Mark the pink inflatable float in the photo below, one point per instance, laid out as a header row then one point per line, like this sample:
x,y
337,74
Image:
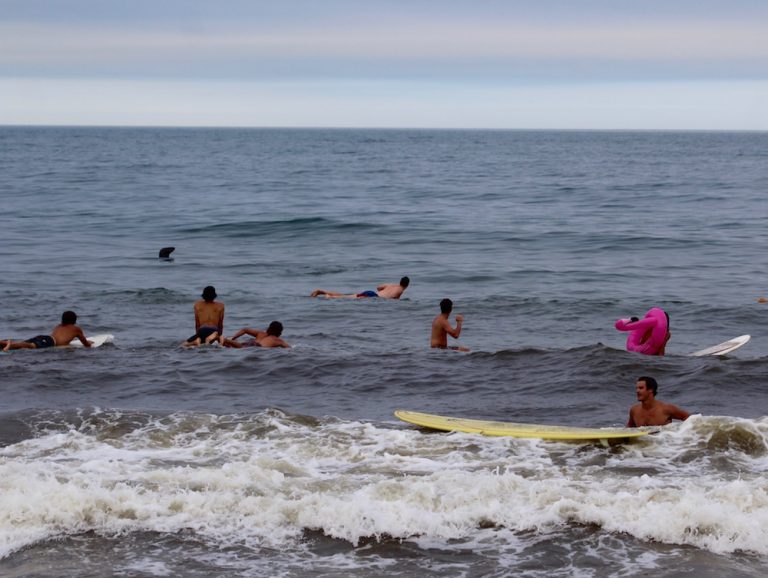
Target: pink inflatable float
x,y
647,335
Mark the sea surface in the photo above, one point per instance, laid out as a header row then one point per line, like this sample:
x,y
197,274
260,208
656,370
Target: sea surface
x,y
142,458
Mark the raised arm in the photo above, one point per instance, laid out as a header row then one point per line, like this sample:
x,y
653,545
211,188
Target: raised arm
x,y
450,330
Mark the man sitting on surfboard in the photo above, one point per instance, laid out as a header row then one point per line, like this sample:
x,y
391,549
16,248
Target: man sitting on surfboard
x,y
385,291
209,319
441,328
268,338
62,334
651,411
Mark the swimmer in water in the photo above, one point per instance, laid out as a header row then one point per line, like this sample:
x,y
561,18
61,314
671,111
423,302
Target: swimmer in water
x,y
441,328
651,411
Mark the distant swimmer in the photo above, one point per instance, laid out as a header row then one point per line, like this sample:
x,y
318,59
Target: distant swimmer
x,y
386,291
651,411
165,253
62,334
209,320
441,327
762,300
268,338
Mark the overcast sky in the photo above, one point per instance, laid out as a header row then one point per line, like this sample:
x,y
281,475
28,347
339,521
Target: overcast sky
x,y
650,64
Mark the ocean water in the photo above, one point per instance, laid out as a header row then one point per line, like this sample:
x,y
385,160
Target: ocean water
x,y
141,458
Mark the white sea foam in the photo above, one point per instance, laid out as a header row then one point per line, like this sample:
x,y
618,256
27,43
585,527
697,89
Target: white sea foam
x,y
262,481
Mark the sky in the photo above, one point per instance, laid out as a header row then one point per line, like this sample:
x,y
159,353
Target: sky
x,y
511,64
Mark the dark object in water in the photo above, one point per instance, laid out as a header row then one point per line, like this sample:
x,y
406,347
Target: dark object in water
x,y
165,252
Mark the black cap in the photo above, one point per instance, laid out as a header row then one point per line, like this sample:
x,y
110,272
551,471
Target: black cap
x,y
209,293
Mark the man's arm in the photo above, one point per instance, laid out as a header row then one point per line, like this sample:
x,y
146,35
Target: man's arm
x,y
677,413
631,422
81,336
450,330
248,331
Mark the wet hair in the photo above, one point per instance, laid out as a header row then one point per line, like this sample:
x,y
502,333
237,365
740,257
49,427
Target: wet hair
x,y
275,328
68,318
650,383
404,282
446,306
209,293
667,314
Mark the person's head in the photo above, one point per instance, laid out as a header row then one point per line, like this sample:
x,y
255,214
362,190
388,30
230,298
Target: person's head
x,y
645,385
404,282
275,328
209,293
446,306
68,318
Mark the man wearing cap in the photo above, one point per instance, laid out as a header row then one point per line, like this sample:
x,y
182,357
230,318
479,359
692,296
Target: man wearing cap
x,y
209,319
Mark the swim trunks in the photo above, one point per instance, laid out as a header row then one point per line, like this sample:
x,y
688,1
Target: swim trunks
x,y
41,341
203,333
367,294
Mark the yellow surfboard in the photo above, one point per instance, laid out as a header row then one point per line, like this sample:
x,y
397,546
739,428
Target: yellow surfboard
x,y
521,430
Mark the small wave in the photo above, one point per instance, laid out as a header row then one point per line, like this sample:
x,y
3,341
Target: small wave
x,y
148,296
251,229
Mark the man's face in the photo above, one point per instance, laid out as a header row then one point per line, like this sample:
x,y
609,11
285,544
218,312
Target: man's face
x,y
642,391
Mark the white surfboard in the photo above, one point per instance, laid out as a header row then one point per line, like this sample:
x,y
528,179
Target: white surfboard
x,y
96,340
724,347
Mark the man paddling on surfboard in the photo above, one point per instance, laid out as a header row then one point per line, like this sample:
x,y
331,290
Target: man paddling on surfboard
x,y
268,338
651,411
385,291
62,334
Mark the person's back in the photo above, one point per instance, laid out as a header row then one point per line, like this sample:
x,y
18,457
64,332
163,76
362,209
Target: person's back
x,y
208,312
64,334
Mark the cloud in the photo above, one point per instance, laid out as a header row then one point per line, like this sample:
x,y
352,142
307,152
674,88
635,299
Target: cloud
x,y
444,49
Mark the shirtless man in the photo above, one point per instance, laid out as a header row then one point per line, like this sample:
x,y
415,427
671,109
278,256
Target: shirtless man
x,y
62,334
268,338
651,411
441,327
209,320
385,291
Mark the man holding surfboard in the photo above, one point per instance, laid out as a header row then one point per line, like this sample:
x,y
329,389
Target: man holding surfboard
x,y
651,411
